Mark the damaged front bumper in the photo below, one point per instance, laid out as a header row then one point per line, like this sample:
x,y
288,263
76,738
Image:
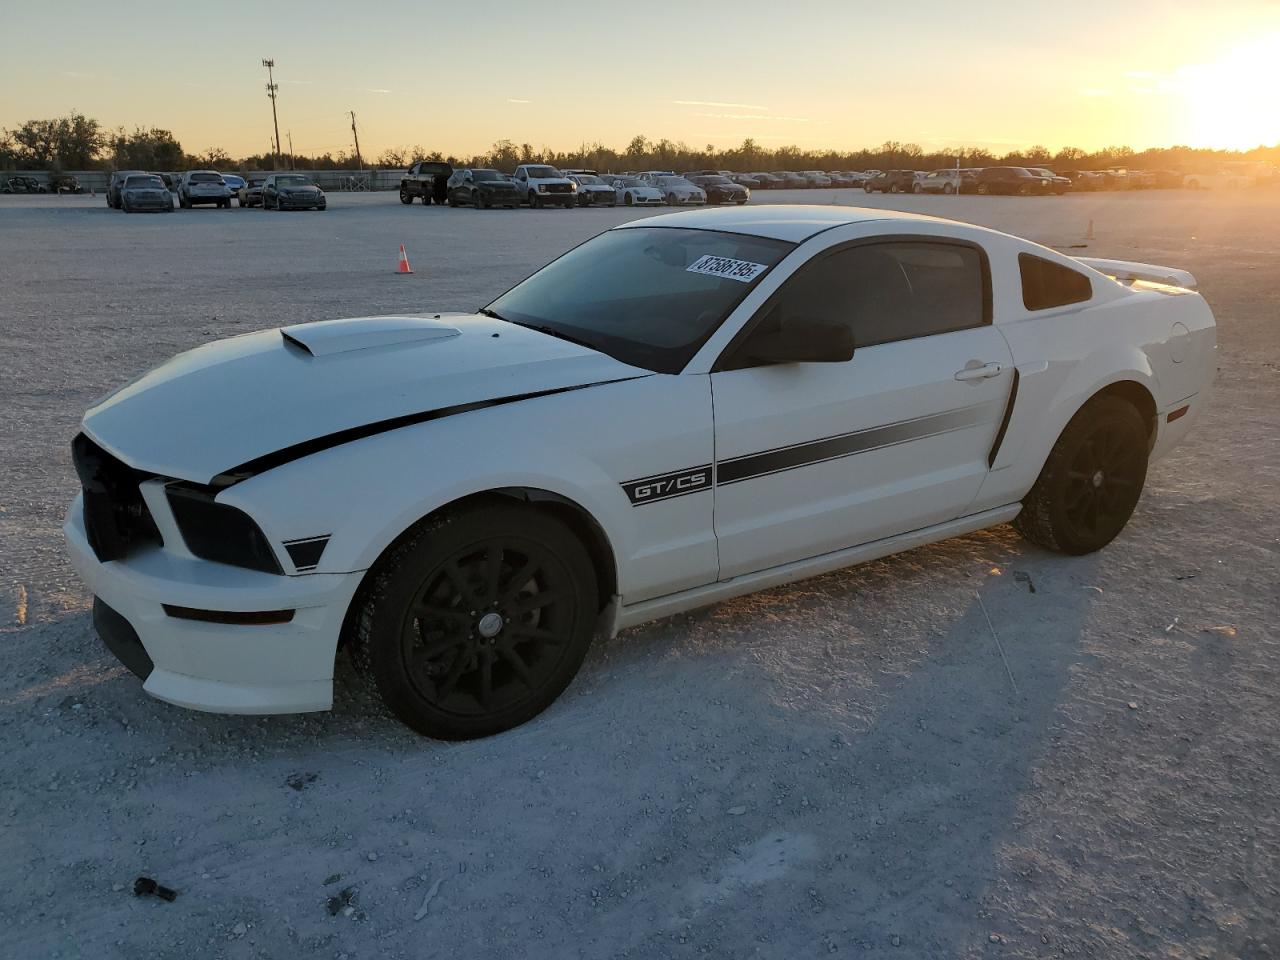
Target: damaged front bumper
x,y
158,610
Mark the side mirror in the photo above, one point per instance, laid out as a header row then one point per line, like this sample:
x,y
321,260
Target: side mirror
x,y
803,340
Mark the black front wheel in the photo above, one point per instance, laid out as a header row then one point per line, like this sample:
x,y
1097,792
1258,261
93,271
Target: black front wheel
x,y
1090,485
477,620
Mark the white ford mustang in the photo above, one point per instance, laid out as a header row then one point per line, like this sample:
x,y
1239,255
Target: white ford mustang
x,y
683,409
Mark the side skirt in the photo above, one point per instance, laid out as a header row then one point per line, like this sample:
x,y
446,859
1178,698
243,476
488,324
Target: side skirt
x,y
637,613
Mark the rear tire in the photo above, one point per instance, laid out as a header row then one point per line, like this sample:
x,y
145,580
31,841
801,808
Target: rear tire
x,y
476,620
1091,482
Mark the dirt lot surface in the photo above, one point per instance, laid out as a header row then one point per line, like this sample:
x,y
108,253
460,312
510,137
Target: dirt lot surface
x,y
840,766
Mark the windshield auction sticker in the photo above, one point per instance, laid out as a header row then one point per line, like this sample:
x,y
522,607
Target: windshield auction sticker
x,y
744,271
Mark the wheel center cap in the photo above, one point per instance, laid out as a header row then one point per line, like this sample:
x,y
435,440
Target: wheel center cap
x,y
1098,479
490,625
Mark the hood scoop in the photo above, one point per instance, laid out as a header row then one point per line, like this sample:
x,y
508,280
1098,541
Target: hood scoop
x,y
325,338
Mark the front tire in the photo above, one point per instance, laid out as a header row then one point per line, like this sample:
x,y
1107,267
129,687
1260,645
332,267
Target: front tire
x,y
1091,482
476,620
405,198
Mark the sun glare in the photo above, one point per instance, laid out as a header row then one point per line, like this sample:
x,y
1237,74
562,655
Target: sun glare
x,y
1232,102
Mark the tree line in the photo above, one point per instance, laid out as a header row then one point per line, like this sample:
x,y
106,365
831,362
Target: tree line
x,y
77,142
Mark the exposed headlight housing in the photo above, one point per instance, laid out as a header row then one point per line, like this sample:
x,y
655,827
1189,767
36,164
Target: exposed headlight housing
x,y
218,532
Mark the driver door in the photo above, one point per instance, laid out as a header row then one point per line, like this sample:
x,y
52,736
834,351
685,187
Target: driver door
x,y
816,457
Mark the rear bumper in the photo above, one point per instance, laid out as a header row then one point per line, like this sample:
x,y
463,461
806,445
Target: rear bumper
x,y
221,668
1175,421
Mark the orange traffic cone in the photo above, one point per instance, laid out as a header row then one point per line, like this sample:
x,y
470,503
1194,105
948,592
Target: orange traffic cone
x,y
403,265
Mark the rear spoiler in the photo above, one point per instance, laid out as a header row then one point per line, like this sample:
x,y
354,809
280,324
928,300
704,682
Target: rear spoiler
x,y
1124,270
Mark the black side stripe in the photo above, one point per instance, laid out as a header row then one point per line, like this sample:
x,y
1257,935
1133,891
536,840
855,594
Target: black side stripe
x,y
306,448
1004,422
751,466
805,454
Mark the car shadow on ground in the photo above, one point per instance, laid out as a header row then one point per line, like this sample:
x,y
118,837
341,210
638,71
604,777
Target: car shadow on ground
x,y
846,775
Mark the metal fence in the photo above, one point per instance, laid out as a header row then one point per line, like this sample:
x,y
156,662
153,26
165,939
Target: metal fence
x,y
331,180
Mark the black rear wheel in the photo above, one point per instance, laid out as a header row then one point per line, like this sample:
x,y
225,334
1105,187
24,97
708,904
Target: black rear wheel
x,y
477,620
1090,485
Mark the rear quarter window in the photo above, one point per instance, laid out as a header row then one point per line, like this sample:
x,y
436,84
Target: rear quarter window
x,y
1046,284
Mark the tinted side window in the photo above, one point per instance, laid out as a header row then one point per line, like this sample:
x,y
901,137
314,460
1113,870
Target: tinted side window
x,y
1047,284
888,291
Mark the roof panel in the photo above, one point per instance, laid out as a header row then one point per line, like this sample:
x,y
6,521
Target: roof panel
x,y
791,222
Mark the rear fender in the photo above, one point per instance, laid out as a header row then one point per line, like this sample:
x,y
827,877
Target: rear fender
x,y
1049,394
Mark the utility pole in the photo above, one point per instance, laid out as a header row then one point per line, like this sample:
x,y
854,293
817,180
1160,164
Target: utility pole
x,y
272,87
356,136
288,135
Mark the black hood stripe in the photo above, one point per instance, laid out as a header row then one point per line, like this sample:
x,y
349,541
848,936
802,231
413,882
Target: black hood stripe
x,y
306,448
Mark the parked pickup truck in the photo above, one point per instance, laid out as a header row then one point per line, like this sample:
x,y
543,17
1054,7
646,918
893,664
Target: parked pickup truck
x,y
427,179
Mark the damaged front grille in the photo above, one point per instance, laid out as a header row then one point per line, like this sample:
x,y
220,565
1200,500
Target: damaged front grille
x,y
116,518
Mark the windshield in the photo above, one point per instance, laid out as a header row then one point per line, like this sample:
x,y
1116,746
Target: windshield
x,y
542,173
292,180
631,182
720,180
485,175
674,182
206,178
135,183
648,296
588,179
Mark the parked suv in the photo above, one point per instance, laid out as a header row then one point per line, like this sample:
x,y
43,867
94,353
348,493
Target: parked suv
x,y
891,181
939,181
203,186
540,184
428,179
481,187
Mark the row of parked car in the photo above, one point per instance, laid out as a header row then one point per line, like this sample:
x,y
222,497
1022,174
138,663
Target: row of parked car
x,y
542,185
136,191
58,183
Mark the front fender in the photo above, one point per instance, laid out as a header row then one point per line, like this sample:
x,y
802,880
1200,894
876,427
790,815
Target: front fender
x,y
580,446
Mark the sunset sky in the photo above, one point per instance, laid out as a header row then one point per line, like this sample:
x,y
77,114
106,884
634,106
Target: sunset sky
x,y
815,74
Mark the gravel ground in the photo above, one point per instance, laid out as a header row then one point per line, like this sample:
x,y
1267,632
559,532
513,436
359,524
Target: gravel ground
x,y
838,766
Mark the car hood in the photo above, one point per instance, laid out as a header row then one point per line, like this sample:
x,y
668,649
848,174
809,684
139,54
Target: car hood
x,y
225,404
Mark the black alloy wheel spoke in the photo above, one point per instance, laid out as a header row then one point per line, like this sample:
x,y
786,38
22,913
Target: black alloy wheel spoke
x,y
489,627
518,666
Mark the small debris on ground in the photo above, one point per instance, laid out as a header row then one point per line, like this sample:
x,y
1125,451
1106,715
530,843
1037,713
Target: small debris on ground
x,y
145,887
300,781
426,901
1021,577
1222,631
342,902
332,878
736,811
1133,704
1169,628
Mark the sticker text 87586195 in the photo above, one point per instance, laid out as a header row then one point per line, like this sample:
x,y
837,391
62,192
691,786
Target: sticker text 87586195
x,y
744,271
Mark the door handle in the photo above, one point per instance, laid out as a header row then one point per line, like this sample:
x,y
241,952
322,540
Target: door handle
x,y
977,370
